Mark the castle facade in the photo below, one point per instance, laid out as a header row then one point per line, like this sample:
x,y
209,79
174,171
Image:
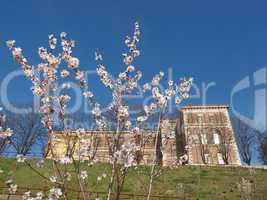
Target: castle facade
x,y
201,135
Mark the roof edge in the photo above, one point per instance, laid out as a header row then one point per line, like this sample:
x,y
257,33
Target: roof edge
x,y
204,107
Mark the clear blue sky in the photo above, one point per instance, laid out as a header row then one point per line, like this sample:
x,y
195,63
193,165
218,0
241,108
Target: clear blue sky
x,y
221,41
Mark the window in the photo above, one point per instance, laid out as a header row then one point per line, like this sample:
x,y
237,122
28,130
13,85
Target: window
x,y
145,159
204,139
211,118
216,138
195,138
199,118
220,159
172,135
207,158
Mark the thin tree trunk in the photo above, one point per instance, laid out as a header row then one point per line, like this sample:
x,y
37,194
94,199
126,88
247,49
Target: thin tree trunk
x,y
113,171
155,158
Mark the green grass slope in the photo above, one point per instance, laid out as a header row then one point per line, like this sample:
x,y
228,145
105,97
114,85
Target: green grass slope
x,y
185,182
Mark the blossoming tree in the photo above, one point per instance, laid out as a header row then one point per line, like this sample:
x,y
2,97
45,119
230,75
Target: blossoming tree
x,y
48,80
126,83
49,83
5,133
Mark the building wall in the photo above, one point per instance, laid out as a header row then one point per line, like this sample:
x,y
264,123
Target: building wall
x,y
100,145
169,143
200,125
180,137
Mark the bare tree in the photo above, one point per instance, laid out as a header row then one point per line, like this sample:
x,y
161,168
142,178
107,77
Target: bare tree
x,y
28,131
3,144
245,136
263,152
262,147
224,147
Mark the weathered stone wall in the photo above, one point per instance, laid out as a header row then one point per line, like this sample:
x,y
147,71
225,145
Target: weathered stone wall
x,y
181,137
200,125
100,144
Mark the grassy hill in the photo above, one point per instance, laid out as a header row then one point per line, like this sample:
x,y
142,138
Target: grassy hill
x,y
185,182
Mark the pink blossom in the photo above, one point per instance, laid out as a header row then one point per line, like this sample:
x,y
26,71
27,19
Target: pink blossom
x,y
88,94
17,52
6,133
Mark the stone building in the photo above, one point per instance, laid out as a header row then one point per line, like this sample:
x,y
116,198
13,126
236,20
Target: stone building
x,y
206,136
202,135
99,143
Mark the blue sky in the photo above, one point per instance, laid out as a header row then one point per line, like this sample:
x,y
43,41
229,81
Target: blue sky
x,y
220,41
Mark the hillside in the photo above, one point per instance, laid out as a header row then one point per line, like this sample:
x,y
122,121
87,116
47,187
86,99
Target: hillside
x,y
186,182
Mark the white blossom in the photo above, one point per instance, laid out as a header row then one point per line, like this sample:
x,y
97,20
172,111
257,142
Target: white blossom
x,y
73,62
130,68
66,86
65,160
104,76
98,56
178,100
128,59
136,130
123,112
141,118
63,34
165,124
20,158
88,94
96,110
10,43
29,72
68,176
64,99
40,163
104,175
43,53
146,87
39,196
52,41
64,73
150,109
83,175
54,193
126,155
37,90
6,133
80,77
128,124
17,52
26,195
12,188
53,179
157,78
9,181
